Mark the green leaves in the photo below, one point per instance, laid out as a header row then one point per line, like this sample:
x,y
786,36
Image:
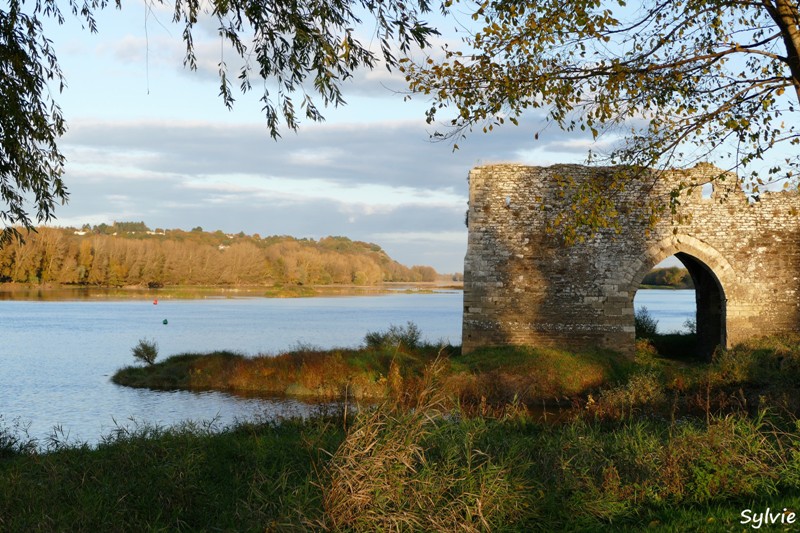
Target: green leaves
x,y
30,122
301,49
698,80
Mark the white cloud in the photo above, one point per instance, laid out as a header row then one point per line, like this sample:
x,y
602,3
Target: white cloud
x,y
176,158
420,236
314,157
378,181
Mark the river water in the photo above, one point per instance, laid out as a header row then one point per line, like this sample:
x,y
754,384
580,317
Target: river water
x,y
670,308
56,357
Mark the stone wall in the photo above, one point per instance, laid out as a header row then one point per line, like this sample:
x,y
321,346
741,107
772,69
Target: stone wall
x,y
523,284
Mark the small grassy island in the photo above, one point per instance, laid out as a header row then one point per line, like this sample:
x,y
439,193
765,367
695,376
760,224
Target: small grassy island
x,y
390,365
510,439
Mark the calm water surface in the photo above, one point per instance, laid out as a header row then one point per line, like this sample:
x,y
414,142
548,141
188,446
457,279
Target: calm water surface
x,y
670,308
56,357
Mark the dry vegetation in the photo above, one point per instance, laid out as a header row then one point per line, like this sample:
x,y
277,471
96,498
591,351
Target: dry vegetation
x,y
383,476
390,364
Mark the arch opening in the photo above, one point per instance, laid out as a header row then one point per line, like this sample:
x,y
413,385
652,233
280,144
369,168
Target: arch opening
x,y
690,322
710,301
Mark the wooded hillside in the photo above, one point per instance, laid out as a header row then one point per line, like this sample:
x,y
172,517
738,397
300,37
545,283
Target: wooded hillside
x,y
130,254
673,277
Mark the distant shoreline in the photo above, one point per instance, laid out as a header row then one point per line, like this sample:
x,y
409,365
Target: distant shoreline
x,y
17,291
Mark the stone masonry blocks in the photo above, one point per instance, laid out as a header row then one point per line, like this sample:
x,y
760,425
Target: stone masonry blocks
x,y
525,286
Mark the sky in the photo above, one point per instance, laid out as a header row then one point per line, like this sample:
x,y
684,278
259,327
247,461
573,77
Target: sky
x,y
151,140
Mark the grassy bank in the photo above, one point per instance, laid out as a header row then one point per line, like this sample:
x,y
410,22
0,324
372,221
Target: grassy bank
x,y
471,475
389,365
425,465
662,444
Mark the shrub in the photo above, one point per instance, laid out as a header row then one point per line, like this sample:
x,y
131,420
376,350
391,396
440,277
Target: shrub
x,y
643,393
407,336
146,351
646,325
646,353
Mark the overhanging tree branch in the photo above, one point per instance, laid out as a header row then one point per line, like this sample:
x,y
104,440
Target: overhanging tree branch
x,y
302,49
595,65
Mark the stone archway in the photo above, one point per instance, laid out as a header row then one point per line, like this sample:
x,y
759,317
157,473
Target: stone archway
x,y
708,268
523,286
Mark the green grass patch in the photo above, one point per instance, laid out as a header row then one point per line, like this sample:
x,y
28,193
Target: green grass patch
x,y
188,478
425,469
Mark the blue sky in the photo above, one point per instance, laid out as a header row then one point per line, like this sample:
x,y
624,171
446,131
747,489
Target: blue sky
x,y
151,140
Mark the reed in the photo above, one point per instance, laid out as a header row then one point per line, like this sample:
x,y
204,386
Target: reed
x,y
418,469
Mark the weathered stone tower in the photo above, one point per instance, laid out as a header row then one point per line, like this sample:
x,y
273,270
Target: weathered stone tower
x,y
524,285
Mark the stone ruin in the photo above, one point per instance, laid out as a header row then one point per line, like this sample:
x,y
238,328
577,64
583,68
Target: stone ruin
x,y
524,284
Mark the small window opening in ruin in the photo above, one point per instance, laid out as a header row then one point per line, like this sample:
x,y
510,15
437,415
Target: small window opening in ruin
x,y
679,309
707,190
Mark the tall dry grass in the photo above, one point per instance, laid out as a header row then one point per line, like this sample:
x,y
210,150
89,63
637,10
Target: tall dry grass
x,y
397,470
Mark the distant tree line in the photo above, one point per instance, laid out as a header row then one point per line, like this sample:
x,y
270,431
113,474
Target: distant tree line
x,y
130,254
674,277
